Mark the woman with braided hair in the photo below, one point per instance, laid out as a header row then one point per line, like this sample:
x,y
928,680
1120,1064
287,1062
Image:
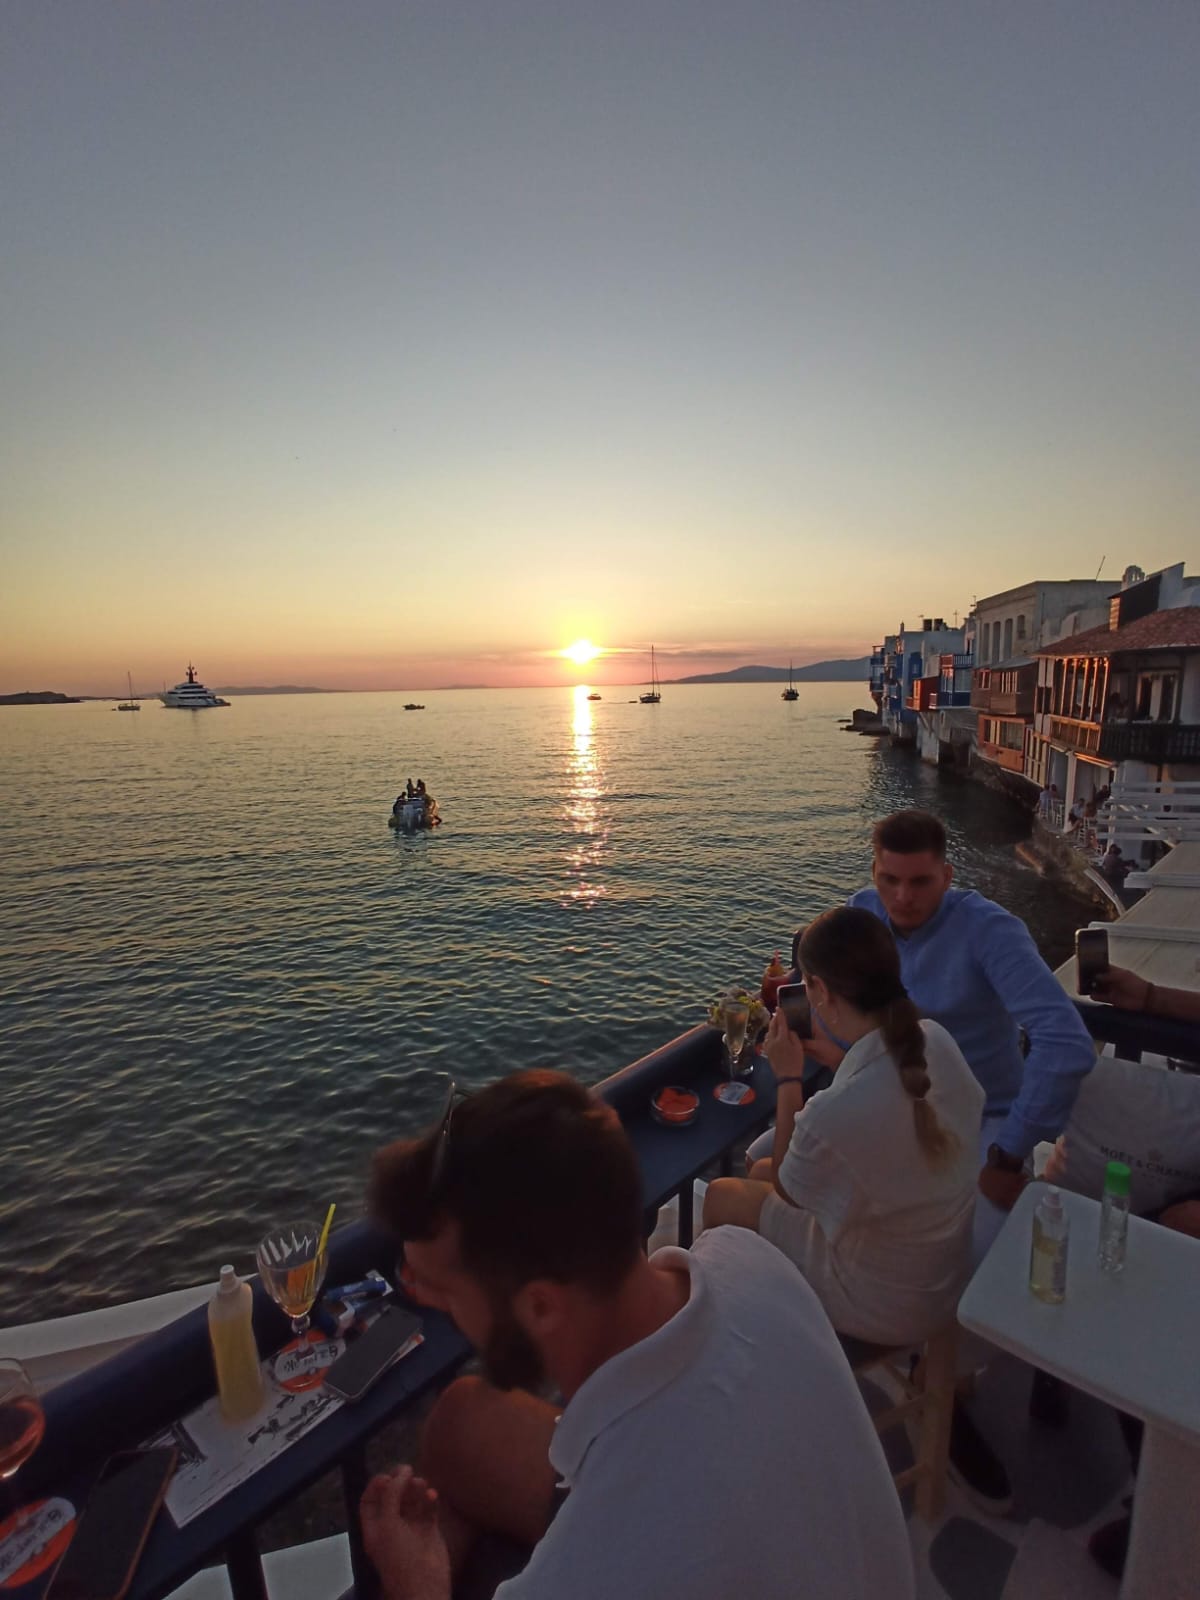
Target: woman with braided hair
x,y
870,1188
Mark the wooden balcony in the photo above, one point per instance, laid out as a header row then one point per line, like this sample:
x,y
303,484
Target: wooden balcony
x,y
1078,735
1018,703
1002,755
1150,741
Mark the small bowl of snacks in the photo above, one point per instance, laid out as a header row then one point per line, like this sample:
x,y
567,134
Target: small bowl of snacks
x,y
675,1107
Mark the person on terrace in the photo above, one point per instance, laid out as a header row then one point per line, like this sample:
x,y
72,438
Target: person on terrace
x,y
972,966
711,1378
870,1188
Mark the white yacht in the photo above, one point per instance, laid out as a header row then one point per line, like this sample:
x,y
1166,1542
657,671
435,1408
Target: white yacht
x,y
191,695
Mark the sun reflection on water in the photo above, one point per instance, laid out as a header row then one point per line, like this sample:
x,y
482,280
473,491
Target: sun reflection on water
x,y
582,809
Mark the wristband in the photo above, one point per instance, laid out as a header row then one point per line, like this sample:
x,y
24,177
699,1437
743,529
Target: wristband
x,y
778,1081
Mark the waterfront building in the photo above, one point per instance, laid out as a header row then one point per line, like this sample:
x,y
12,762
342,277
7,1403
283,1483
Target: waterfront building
x,y
1010,627
906,676
1117,707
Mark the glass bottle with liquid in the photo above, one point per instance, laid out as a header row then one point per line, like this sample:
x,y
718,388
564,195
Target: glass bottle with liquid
x,y
773,977
1114,1217
1048,1253
235,1354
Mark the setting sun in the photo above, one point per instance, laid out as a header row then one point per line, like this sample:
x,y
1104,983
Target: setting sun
x,y
581,652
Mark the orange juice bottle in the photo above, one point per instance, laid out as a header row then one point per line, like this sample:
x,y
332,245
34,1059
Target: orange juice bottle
x,y
235,1354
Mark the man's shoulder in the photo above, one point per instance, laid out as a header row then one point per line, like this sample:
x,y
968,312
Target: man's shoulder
x,y
867,899
742,1264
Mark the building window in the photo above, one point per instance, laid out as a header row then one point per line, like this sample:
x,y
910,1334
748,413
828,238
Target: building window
x,y
1166,697
1020,625
985,640
1008,644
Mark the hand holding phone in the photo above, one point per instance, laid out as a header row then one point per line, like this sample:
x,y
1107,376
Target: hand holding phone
x,y
793,1001
101,1559
1091,958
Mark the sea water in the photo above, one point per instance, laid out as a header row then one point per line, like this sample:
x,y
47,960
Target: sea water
x,y
224,980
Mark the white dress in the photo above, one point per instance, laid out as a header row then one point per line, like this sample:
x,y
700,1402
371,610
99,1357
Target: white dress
x,y
883,1237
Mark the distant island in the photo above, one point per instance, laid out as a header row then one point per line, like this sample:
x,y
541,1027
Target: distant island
x,y
39,697
277,688
854,671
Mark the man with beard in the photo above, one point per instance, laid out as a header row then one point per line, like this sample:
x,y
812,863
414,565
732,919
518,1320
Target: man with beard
x,y
711,1437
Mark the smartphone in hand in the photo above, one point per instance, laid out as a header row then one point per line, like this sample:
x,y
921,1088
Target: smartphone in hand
x,y
792,999
1091,958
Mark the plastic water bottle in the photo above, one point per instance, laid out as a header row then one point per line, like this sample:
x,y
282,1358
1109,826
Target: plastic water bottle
x,y
235,1354
1048,1255
1114,1217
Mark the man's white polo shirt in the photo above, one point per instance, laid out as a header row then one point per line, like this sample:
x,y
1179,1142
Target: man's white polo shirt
x,y
729,1454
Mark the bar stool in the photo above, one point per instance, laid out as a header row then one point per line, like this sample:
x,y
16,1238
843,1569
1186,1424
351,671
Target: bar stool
x,y
928,1396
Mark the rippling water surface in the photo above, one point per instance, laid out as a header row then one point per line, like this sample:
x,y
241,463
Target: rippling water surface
x,y
223,980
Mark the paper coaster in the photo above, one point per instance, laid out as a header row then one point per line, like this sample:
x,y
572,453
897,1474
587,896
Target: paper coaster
x,y
303,1364
734,1093
33,1539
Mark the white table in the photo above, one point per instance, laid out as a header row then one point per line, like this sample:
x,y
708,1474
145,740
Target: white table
x,y
1131,1340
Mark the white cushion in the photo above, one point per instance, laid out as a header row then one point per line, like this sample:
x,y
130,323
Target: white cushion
x,y
1145,1116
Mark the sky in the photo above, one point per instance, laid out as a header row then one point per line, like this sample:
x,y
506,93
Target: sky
x,y
401,344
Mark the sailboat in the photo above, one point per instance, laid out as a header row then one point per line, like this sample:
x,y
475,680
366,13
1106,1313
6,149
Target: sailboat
x,y
131,704
652,696
791,692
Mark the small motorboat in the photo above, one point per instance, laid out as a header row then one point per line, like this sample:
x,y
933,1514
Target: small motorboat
x,y
413,706
594,697
418,815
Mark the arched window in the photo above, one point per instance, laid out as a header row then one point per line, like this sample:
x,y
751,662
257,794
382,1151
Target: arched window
x,y
1008,645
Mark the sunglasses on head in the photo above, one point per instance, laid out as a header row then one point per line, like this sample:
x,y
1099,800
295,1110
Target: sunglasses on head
x,y
441,1138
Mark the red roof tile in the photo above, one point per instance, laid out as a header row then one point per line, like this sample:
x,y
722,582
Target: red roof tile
x,y
1161,630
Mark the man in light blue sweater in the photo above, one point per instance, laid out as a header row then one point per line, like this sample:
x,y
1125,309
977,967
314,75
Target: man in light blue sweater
x,y
972,966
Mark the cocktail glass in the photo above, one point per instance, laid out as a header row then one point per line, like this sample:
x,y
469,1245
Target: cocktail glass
x,y
22,1424
291,1264
736,1017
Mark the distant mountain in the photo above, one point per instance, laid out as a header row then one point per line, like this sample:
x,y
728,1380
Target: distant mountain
x,y
278,688
855,671
39,697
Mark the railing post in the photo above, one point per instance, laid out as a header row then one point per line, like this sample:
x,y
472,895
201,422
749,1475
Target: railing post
x,y
246,1578
354,1482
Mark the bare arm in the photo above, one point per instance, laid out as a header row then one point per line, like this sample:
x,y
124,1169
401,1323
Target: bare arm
x,y
785,1052
1128,992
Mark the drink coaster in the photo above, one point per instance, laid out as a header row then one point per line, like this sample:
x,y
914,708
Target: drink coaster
x,y
734,1093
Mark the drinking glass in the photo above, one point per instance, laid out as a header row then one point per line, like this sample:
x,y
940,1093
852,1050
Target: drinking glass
x,y
736,1018
292,1268
22,1423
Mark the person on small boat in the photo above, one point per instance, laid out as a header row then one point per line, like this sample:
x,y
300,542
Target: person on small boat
x,y
870,1187
409,790
399,803
687,1377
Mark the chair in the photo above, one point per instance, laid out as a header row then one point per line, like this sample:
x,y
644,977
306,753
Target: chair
x,y
928,1396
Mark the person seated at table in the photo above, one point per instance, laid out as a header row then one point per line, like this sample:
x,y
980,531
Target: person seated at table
x,y
710,1377
870,1188
1114,866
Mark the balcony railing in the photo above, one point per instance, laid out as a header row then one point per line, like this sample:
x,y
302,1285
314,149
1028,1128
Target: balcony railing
x,y
1150,741
137,1393
1001,703
1079,735
1002,755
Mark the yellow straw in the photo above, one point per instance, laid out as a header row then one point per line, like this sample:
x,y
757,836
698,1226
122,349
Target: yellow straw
x,y
325,1229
